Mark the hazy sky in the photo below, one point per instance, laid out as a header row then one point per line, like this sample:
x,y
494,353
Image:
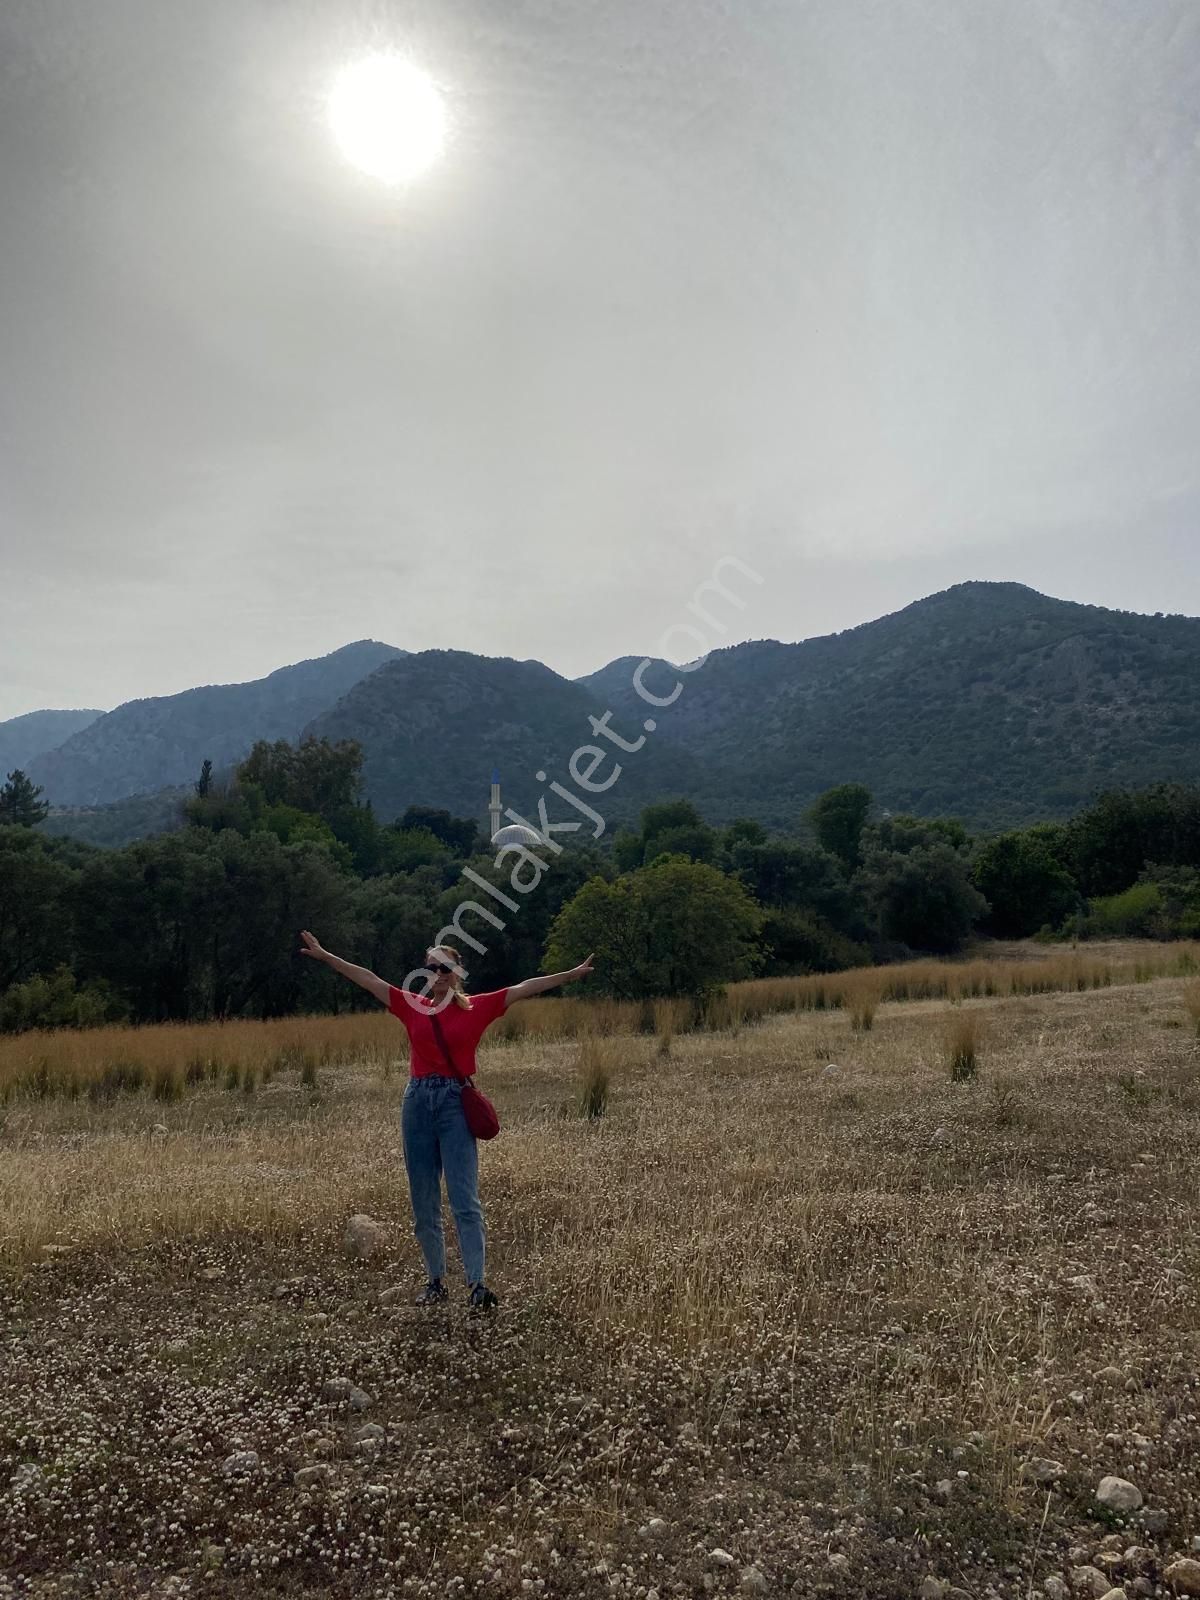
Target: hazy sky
x,y
878,295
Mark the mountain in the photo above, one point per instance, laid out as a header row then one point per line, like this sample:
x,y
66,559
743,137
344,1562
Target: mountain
x,y
147,745
24,738
433,725
988,701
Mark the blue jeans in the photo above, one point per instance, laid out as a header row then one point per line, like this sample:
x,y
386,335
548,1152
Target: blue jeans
x,y
437,1140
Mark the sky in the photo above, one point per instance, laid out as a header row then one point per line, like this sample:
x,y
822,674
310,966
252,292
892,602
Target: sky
x,y
875,296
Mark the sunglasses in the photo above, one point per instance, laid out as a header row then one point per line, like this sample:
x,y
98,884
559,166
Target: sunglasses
x,y
438,969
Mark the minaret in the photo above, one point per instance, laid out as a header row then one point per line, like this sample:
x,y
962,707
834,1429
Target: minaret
x,y
494,804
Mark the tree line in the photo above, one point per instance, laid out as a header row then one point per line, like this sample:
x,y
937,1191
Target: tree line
x,y
201,922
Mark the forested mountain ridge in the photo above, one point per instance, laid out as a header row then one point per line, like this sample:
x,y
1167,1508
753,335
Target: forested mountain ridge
x,y
987,701
159,743
434,725
23,739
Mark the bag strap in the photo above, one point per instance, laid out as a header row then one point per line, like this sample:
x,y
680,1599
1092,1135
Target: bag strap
x,y
445,1049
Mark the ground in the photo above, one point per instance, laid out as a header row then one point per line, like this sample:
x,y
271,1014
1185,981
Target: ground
x,y
797,1315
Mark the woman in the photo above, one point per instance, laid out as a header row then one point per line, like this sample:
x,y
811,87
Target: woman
x,y
436,1136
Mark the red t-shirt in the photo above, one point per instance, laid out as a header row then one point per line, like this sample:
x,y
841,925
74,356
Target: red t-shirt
x,y
462,1030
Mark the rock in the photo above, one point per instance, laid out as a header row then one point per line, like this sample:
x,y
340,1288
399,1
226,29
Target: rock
x,y
369,1430
932,1588
336,1389
957,1594
240,1464
1055,1588
1155,1521
720,1558
391,1297
1118,1494
1109,1561
1042,1471
312,1477
1183,1576
753,1581
654,1528
1114,1594
1089,1580
1138,1559
359,1399
363,1237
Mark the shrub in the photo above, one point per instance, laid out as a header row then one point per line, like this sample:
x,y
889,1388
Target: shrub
x,y
166,1083
57,1002
594,1079
962,1046
117,1077
862,1014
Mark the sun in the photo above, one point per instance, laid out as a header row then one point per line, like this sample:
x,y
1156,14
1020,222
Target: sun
x,y
388,117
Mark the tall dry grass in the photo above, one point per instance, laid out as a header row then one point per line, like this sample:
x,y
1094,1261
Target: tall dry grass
x,y
963,1037
1191,1001
107,1062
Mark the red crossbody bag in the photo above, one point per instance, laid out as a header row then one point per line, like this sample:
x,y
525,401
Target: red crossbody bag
x,y
479,1111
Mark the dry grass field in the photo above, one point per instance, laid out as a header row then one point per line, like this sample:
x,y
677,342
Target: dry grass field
x,y
862,1300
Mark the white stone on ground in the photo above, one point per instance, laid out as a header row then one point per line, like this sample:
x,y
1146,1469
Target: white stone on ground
x,y
1118,1494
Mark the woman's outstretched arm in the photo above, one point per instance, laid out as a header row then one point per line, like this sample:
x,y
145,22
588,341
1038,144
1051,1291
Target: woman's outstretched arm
x,y
359,975
552,980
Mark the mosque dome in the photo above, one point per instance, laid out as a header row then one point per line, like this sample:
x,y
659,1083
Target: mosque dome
x,y
516,833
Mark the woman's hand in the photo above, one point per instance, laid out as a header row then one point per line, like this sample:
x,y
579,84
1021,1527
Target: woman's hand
x,y
312,947
553,980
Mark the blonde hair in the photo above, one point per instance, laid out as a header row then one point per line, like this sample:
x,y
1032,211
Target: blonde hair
x,y
458,993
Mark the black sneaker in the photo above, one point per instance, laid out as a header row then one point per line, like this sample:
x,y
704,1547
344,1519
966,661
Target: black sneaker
x,y
433,1293
481,1298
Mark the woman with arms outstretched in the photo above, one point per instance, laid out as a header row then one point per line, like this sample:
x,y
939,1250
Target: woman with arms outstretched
x,y
436,1137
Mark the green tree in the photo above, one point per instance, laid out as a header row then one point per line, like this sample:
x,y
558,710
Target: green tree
x,y
36,878
21,804
696,840
204,782
1023,879
677,927
1112,841
921,897
314,775
838,818
796,940
459,834
743,830
780,873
